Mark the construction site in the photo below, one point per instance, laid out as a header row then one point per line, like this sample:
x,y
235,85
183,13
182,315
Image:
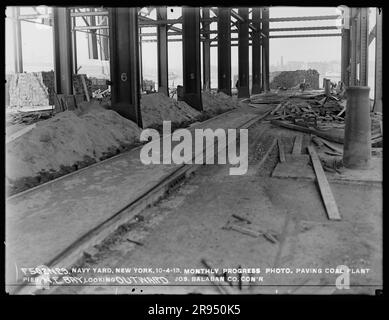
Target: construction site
x,y
159,150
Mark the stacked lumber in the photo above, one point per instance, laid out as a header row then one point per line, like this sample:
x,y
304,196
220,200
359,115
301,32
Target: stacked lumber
x,y
290,79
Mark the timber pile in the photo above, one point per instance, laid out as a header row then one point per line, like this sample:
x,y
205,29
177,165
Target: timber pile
x,y
290,79
320,114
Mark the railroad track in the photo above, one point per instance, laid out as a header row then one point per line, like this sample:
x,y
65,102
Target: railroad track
x,y
75,252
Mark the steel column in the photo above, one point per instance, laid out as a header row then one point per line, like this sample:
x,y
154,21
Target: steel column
x,y
92,38
125,91
63,64
162,47
345,49
364,56
378,63
265,49
191,57
17,36
243,53
74,46
256,52
224,50
353,40
206,51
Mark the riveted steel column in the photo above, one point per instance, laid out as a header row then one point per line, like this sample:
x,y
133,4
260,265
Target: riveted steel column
x,y
162,45
345,49
206,52
17,36
224,50
378,63
191,57
265,49
256,52
243,54
63,64
357,133
364,46
353,53
124,63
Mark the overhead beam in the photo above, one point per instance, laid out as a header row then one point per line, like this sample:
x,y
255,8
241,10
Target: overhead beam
x,y
308,18
206,50
303,29
125,78
315,35
224,50
162,48
243,54
256,52
191,57
63,62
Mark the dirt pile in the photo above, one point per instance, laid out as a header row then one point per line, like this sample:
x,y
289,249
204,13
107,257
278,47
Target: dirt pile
x,y
218,102
157,107
289,79
66,143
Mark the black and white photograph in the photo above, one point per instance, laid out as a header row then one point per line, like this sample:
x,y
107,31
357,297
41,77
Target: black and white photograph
x,y
205,150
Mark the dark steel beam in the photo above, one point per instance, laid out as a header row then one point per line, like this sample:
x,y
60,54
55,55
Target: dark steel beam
x,y
345,56
104,41
17,36
191,57
265,49
224,50
206,50
63,62
124,63
92,39
243,54
353,39
256,52
378,63
74,46
162,47
364,58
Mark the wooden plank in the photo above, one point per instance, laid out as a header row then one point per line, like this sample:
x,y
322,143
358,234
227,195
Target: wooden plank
x,y
298,141
85,87
276,108
325,135
281,150
325,189
330,145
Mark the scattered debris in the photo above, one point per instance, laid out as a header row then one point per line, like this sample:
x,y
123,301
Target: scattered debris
x,y
249,231
136,242
240,218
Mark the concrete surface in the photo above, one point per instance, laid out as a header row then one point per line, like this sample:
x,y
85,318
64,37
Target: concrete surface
x,y
41,223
